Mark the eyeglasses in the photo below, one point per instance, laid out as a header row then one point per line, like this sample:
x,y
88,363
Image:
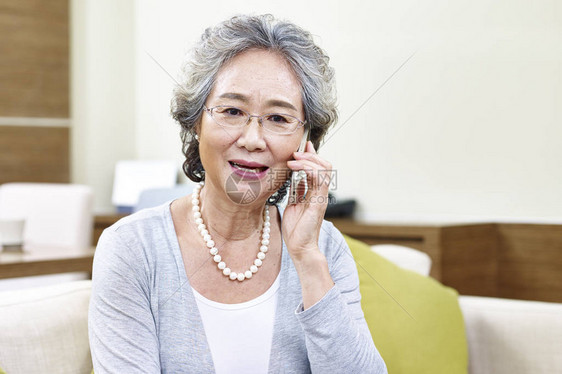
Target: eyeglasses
x,y
277,123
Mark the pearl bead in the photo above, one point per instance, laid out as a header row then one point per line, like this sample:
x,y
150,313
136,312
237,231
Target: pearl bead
x,y
198,221
201,227
217,258
206,237
248,274
226,271
265,236
214,251
257,261
265,242
254,269
241,277
263,248
233,276
261,255
195,201
210,243
222,265
195,208
267,224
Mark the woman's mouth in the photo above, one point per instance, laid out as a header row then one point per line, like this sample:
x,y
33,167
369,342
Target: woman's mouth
x,y
249,170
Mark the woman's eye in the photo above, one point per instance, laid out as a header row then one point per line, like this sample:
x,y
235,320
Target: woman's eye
x,y
233,111
277,118
229,111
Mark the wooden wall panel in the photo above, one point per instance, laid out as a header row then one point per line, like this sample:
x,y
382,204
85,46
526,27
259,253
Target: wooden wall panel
x,y
34,154
530,261
469,259
34,62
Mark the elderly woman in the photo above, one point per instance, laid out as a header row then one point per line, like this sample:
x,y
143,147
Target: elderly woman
x,y
225,280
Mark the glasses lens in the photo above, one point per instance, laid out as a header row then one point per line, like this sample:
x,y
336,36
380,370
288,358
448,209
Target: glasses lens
x,y
229,116
280,123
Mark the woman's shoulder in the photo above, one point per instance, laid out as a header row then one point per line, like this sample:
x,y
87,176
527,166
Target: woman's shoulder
x,y
145,225
136,242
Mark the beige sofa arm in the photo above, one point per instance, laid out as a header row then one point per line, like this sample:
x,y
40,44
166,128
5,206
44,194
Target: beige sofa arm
x,y
45,329
512,336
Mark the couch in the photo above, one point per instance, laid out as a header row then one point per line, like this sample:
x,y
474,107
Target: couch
x,y
45,329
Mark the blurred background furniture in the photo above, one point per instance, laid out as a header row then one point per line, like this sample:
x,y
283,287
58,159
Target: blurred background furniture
x,y
58,218
503,336
508,260
405,257
148,198
56,215
54,261
45,329
155,196
512,336
134,176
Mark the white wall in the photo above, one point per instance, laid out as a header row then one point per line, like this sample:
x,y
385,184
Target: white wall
x,y
470,126
102,92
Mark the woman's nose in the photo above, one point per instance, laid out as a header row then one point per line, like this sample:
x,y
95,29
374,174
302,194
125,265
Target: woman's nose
x,y
251,136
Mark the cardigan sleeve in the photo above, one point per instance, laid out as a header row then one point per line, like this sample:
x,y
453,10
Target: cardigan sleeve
x,y
337,337
121,326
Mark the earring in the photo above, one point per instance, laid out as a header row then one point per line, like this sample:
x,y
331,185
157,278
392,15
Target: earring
x,y
196,137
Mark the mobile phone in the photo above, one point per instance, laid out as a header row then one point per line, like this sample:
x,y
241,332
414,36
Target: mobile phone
x,y
297,176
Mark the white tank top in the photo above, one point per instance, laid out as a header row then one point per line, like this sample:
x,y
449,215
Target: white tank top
x,y
240,335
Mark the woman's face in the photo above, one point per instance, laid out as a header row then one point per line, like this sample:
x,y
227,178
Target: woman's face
x,y
249,163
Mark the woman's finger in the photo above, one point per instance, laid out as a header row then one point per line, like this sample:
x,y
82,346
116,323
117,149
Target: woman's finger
x,y
312,157
318,186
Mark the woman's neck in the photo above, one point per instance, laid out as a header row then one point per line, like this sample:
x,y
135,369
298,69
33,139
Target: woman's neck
x,y
227,219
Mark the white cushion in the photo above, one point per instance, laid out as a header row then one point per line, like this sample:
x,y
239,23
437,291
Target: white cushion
x,y
45,330
56,215
512,336
405,257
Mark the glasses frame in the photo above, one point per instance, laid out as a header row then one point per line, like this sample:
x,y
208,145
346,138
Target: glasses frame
x,y
259,118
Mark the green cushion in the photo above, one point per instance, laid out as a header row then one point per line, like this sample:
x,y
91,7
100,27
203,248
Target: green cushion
x,y
417,324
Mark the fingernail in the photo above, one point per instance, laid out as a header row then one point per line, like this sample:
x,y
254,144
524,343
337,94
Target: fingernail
x,y
312,145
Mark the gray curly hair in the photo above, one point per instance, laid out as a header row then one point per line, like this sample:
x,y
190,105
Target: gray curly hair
x,y
221,43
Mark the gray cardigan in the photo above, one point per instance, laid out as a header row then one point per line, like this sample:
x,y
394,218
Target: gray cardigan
x,y
143,317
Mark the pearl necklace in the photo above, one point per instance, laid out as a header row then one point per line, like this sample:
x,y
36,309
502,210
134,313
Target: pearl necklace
x,y
214,250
